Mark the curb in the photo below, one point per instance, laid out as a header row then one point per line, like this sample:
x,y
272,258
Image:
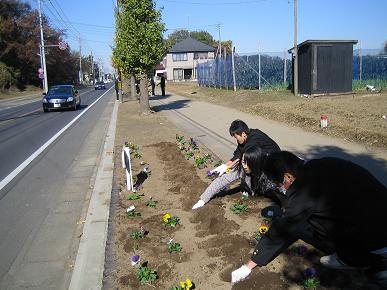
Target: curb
x,y
90,260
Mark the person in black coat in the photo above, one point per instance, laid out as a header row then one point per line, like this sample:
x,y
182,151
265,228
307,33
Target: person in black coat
x,y
333,204
246,138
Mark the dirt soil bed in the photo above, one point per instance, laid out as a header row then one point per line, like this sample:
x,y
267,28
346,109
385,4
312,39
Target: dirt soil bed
x,y
214,240
355,117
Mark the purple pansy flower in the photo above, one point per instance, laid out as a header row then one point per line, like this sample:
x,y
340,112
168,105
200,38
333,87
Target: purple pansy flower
x,y
209,173
310,273
134,259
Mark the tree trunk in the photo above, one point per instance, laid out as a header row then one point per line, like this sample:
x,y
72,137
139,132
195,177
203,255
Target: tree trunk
x,y
144,96
133,87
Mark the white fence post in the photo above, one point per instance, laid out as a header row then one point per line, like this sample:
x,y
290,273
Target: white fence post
x,y
126,164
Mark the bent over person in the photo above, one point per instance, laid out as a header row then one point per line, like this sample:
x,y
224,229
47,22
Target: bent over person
x,y
332,204
246,138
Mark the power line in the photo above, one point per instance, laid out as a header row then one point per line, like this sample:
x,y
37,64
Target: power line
x,y
213,4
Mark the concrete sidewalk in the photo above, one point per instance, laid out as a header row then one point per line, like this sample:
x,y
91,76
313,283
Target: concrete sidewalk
x,y
209,124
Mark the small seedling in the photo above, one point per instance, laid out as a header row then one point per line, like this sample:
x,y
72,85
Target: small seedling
x,y
133,213
244,197
239,208
146,274
311,283
218,164
258,236
174,247
189,155
170,221
179,139
152,203
136,235
134,196
137,155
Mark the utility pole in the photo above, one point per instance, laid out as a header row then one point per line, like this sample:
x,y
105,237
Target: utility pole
x,y
285,72
92,68
295,77
43,54
259,69
233,67
220,42
80,61
360,62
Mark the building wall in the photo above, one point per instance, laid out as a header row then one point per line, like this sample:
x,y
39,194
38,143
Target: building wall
x,y
190,63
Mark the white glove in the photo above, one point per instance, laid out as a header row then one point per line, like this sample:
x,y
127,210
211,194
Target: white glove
x,y
200,203
240,274
220,169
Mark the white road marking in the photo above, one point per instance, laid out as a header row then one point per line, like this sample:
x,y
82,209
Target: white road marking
x,y
26,162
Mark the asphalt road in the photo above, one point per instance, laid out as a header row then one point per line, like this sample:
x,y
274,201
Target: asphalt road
x,y
41,209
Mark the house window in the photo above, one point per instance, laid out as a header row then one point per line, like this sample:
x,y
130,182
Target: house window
x,y
200,55
178,74
179,56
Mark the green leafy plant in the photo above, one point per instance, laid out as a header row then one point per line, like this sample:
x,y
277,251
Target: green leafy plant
x,y
137,155
218,163
136,235
133,213
311,283
239,208
152,203
244,197
258,236
131,146
146,274
170,221
189,154
174,247
134,196
180,139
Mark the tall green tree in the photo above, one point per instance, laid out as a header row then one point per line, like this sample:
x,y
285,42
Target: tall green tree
x,y
19,48
139,42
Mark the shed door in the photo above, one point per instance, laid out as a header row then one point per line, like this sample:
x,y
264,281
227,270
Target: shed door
x,y
323,71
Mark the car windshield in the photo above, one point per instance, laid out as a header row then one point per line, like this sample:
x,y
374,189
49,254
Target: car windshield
x,y
99,83
59,90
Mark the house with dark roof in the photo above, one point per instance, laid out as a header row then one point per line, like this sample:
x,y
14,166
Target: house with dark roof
x,y
184,56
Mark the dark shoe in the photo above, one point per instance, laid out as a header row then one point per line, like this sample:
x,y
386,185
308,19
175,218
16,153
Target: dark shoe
x,y
272,212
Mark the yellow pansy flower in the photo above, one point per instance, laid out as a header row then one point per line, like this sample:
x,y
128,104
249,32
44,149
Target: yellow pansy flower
x,y
186,285
263,229
166,218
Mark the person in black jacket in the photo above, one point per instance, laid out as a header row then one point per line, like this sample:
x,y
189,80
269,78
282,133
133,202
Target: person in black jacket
x,y
246,138
333,204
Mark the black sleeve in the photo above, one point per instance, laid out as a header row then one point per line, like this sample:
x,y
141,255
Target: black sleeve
x,y
237,153
283,232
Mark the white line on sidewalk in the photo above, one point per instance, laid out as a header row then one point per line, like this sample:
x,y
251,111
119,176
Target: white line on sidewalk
x,y
26,162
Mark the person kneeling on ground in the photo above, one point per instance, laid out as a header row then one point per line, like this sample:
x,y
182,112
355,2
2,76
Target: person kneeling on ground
x,y
334,205
246,138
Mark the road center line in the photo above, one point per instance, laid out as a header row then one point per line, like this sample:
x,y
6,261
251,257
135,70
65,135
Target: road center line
x,y
26,162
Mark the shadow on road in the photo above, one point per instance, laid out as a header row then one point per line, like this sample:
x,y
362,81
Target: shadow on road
x,y
171,106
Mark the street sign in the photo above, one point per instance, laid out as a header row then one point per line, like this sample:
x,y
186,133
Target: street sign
x,y
41,75
62,45
40,70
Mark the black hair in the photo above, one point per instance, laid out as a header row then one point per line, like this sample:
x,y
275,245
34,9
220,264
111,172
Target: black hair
x,y
238,127
278,163
254,158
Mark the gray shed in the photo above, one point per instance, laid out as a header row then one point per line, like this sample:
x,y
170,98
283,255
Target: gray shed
x,y
325,66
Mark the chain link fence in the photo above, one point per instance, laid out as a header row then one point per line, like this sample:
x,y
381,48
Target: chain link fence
x,y
274,71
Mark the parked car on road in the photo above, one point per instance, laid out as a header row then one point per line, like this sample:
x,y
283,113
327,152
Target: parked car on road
x,y
61,97
99,86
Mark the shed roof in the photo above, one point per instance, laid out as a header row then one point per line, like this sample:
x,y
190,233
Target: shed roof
x,y
321,41
190,45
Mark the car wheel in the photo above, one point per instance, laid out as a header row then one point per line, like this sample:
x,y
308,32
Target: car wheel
x,y
74,108
79,105
45,110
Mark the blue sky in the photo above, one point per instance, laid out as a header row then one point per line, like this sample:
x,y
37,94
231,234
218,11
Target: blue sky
x,y
249,24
